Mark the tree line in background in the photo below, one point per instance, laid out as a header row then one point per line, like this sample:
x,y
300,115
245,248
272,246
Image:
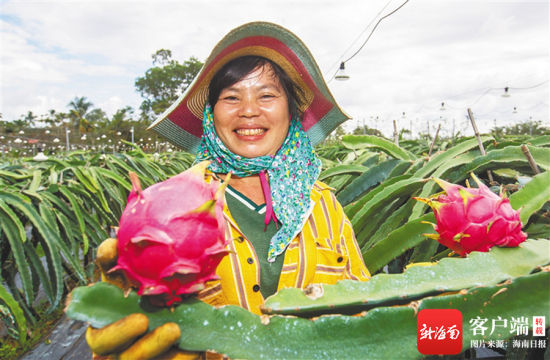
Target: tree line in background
x,y
160,86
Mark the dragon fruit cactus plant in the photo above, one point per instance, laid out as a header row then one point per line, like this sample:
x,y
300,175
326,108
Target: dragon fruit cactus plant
x,y
473,219
171,236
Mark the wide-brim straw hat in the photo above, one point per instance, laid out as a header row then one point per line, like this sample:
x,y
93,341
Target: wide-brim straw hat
x,y
181,124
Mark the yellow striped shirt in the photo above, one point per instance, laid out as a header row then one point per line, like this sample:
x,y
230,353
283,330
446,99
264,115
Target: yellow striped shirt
x,y
325,251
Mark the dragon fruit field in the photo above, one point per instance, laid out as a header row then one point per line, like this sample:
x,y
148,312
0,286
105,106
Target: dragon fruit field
x,y
54,214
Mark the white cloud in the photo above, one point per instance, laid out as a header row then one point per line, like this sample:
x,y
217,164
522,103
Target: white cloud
x,y
112,104
428,52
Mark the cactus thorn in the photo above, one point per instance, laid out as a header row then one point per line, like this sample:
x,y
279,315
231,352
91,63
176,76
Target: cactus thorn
x,y
127,292
500,291
314,291
415,305
264,319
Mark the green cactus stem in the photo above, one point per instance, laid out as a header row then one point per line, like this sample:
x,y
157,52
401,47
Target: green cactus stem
x,y
375,334
449,274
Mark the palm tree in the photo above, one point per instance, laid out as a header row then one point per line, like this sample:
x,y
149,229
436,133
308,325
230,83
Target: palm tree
x,y
51,118
94,119
78,110
19,124
121,120
29,119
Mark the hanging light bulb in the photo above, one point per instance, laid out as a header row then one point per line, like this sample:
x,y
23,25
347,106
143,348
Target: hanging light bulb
x,y
341,74
506,93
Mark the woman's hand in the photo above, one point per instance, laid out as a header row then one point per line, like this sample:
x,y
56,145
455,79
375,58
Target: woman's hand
x,y
123,340
106,259
128,338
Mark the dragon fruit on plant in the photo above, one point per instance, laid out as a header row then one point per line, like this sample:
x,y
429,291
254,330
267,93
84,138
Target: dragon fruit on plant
x,y
171,236
473,219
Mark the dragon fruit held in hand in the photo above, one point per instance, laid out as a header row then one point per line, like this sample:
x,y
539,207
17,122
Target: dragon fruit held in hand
x,y
171,236
473,219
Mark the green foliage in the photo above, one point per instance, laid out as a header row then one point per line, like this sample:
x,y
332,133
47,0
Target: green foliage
x,y
238,333
367,180
162,84
365,130
354,142
53,214
449,274
527,128
388,224
532,196
11,349
13,311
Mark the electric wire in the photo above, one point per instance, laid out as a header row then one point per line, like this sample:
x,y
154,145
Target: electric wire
x,y
360,35
372,31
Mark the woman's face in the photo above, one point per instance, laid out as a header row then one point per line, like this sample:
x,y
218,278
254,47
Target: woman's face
x,y
251,116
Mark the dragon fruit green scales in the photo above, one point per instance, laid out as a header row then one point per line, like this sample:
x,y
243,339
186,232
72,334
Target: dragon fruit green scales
x,y
171,236
473,219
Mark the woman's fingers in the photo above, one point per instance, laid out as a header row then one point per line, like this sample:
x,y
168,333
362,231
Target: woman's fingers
x,y
107,254
153,344
118,335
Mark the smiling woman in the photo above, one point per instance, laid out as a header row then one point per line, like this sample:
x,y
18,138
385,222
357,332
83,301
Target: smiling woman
x,y
255,111
251,111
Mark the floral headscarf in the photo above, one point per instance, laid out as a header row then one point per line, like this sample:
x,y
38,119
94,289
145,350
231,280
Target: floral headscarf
x,y
292,172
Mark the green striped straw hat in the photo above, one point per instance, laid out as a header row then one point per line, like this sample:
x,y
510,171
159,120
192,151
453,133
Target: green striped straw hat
x,y
181,124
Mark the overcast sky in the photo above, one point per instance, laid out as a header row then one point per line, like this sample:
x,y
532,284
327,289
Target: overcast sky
x,y
459,52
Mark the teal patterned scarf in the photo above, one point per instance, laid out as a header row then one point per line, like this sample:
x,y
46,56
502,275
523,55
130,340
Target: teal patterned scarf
x,y
292,172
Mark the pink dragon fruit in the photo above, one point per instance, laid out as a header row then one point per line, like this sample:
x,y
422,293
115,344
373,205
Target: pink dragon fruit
x,y
171,236
473,219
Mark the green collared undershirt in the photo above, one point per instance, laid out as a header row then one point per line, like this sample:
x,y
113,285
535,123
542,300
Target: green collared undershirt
x,y
250,218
